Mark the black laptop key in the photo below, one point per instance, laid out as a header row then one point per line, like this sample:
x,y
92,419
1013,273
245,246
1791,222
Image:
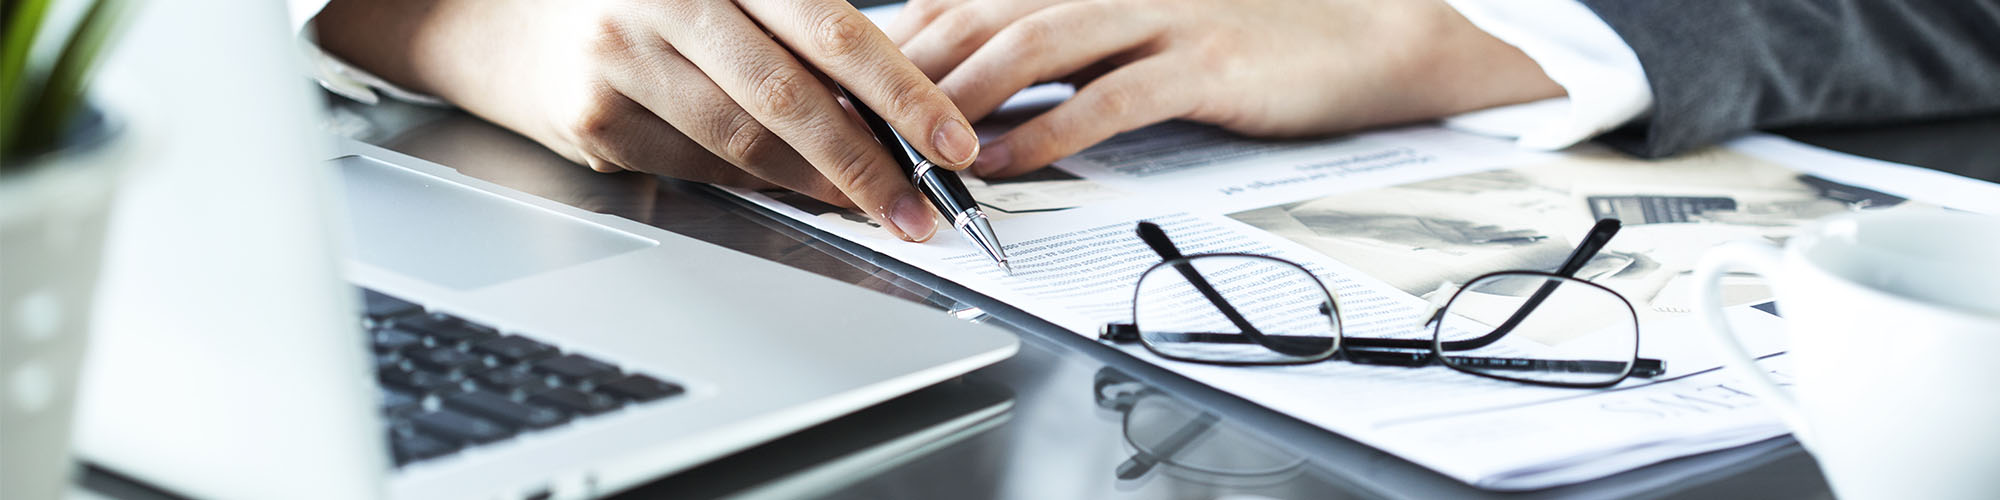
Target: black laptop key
x,y
514,349
639,388
413,446
379,306
446,329
577,368
460,427
575,400
396,402
421,382
388,361
503,410
395,339
444,359
512,379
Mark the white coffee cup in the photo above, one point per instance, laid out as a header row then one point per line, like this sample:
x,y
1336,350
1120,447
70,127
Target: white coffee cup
x,y
1893,319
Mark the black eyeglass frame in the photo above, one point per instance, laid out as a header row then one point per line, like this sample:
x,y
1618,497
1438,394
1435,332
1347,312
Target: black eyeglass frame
x,y
1385,351
1330,308
1642,367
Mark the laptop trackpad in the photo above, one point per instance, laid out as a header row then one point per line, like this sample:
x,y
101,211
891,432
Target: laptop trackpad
x,y
459,237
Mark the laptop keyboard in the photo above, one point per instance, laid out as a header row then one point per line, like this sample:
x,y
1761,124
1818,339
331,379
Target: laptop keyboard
x,y
449,384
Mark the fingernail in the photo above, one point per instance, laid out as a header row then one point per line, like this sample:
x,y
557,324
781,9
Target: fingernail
x,y
954,140
914,217
992,159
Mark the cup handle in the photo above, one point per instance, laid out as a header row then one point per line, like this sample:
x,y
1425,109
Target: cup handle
x,y
1756,258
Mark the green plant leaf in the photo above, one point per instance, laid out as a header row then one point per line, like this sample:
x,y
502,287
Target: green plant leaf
x,y
63,91
24,21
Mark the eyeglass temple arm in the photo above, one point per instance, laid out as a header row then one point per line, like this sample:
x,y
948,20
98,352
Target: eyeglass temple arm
x,y
1127,332
1373,355
1400,352
1287,344
1599,236
1641,367
1157,239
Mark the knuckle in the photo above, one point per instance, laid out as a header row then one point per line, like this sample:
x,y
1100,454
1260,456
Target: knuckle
x,y
910,97
596,122
609,36
615,33
1216,53
851,170
840,34
1116,102
780,91
746,142
1030,36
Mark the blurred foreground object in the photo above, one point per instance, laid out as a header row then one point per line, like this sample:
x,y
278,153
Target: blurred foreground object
x,y
60,161
52,217
221,295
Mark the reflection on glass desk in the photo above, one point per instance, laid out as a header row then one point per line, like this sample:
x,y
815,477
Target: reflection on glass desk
x,y
1066,418
1189,443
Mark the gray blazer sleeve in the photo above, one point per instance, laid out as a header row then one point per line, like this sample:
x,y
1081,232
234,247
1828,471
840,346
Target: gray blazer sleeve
x,y
1721,67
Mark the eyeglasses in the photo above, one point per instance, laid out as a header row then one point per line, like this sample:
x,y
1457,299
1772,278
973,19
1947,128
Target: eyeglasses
x,y
1541,328
1193,444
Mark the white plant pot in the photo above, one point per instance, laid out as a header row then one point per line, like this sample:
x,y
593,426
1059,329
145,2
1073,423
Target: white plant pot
x,y
52,221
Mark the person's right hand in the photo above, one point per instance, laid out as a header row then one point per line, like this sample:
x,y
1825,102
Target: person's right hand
x,y
693,89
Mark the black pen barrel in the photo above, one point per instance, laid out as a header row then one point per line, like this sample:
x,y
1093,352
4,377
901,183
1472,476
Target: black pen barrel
x,y
942,187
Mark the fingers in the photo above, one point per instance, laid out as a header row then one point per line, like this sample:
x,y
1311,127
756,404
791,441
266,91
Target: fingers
x,y
915,15
842,44
776,89
1139,94
954,34
691,105
634,139
1049,44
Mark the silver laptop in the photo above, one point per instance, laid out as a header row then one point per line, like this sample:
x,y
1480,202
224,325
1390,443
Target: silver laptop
x,y
411,332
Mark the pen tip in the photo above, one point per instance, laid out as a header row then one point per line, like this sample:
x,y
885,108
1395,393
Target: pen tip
x,y
1006,268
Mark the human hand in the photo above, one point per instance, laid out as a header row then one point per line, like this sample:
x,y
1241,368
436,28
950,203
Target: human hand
x,y
1256,67
694,89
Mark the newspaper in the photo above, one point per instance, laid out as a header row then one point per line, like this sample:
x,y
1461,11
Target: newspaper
x,y
1387,219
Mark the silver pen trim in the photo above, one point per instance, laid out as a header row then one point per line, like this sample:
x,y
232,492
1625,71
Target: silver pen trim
x,y
917,174
974,224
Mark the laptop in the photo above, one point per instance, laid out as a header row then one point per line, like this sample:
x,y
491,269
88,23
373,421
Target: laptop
x,y
361,323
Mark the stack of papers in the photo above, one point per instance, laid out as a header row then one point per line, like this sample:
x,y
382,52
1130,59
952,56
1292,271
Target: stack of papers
x,y
1389,218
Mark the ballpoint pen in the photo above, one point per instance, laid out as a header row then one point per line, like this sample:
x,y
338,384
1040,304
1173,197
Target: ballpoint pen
x,y
941,186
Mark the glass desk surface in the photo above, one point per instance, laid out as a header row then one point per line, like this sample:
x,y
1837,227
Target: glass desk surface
x,y
1064,418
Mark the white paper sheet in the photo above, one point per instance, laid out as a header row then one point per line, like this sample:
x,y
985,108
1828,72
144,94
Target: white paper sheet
x,y
1076,260
1069,231
1326,203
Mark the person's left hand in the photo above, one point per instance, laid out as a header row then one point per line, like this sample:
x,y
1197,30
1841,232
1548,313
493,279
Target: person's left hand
x,y
1257,67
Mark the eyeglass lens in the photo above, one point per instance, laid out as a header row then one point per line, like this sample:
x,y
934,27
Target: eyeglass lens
x,y
1539,328
1189,309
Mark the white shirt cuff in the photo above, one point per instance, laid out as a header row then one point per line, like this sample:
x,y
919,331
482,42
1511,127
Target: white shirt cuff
x,y
1606,85
338,76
